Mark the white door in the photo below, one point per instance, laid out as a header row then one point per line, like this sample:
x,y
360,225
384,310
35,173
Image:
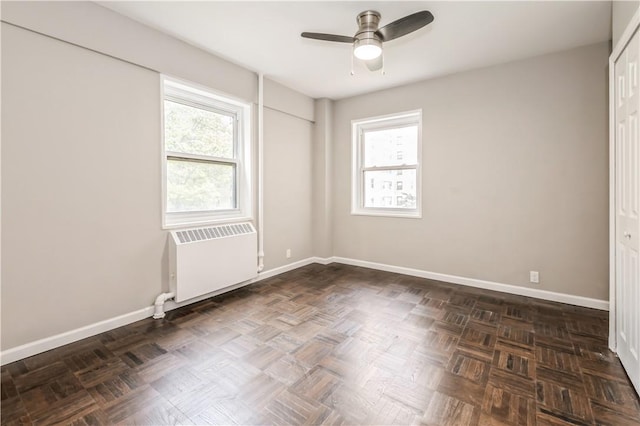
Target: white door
x,y
627,163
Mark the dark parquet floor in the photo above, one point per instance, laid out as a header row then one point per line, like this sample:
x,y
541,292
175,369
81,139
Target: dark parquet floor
x,y
336,345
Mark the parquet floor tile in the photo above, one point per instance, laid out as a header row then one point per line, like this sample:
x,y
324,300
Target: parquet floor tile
x,y
503,407
335,345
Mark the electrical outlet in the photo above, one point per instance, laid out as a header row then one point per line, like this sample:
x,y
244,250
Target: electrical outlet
x,y
534,277
288,253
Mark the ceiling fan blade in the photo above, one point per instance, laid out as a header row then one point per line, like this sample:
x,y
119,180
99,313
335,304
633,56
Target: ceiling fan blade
x,y
328,37
374,64
404,26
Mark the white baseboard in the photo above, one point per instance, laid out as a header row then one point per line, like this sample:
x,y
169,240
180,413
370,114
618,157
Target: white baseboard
x,y
42,345
323,260
171,305
489,285
286,268
48,343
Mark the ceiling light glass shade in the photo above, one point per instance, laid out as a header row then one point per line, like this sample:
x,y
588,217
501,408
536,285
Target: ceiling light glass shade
x,y
367,49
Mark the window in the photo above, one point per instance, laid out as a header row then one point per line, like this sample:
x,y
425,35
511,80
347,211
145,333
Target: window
x,y
206,156
386,150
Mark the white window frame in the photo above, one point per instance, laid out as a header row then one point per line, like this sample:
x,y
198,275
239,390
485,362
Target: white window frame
x,y
195,95
358,128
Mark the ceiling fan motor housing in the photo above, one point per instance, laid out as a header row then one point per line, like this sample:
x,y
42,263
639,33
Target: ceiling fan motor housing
x,y
368,44
367,26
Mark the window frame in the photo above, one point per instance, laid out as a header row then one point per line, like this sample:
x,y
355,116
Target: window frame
x,y
198,96
358,129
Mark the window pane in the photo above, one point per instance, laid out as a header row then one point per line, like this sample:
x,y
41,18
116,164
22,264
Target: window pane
x,y
196,186
389,189
197,131
391,147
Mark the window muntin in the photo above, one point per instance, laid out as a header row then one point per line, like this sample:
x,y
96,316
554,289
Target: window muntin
x,y
386,166
206,156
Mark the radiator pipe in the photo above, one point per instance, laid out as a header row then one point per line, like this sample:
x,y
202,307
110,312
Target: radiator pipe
x,y
159,304
260,172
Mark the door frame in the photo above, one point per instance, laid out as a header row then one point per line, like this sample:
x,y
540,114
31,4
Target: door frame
x,y
632,27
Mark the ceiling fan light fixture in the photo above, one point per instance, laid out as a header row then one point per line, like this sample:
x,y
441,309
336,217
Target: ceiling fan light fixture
x,y
367,49
367,42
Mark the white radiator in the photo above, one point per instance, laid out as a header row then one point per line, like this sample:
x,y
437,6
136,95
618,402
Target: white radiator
x,y
207,259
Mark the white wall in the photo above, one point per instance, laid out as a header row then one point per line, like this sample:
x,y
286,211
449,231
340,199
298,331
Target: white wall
x,y
288,184
287,188
80,190
322,179
82,239
88,24
621,13
514,175
280,98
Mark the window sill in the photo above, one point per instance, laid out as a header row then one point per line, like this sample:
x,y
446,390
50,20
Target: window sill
x,y
195,223
387,213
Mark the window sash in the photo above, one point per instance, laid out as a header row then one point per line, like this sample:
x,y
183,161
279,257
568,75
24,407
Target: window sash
x,y
380,126
193,95
209,160
363,169
173,155
233,114
235,191
363,188
359,185
203,106
384,168
179,92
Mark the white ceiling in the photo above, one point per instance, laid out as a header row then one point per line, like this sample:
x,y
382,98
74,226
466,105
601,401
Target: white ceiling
x,y
265,36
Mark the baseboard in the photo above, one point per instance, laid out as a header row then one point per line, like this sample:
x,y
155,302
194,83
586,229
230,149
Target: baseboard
x,y
171,305
323,260
42,345
489,285
286,268
48,343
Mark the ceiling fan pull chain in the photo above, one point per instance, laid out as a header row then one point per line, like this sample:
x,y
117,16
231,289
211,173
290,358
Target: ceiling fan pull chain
x,y
382,70
352,55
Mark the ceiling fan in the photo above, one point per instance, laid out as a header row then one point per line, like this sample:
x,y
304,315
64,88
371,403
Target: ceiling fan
x,y
367,42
